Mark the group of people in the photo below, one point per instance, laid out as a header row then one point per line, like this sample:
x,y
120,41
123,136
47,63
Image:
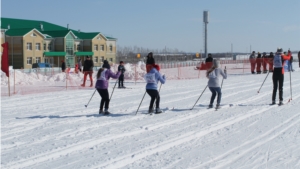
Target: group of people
x,y
262,61
214,72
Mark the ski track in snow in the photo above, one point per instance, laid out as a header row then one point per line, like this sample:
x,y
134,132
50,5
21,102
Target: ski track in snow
x,y
57,131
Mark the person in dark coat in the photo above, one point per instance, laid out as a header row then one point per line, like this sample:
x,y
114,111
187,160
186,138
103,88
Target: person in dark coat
x,y
208,61
252,62
63,66
258,63
264,62
271,57
278,74
88,70
121,69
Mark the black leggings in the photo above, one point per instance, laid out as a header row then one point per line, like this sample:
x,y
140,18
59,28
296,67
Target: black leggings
x,y
278,78
104,98
121,80
154,95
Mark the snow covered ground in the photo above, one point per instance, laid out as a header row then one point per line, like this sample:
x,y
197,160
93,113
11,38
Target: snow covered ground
x,y
55,130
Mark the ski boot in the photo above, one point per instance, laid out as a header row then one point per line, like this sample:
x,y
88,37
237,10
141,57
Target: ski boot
x,y
218,106
210,106
157,111
150,111
100,111
106,112
273,102
280,103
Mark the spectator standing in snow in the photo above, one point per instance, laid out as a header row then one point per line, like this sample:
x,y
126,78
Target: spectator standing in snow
x,y
264,62
103,76
208,61
278,74
152,77
63,66
121,69
88,70
252,62
213,83
258,63
271,57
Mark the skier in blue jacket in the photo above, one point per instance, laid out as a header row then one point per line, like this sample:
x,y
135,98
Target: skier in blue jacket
x,y
152,78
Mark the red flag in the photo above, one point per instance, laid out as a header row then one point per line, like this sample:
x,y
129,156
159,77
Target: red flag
x,y
4,61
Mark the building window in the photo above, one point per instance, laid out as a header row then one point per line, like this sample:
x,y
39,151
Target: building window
x,y
78,47
96,59
96,47
37,46
46,60
44,46
111,59
29,46
29,60
102,58
49,47
102,47
38,59
110,48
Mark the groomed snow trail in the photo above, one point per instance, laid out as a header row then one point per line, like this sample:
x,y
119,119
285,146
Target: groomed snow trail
x,y
55,130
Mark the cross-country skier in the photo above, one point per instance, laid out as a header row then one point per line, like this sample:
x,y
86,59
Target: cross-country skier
x,y
213,82
121,69
152,77
103,76
278,74
252,62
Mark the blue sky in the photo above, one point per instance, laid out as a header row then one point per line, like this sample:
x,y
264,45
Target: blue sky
x,y
154,24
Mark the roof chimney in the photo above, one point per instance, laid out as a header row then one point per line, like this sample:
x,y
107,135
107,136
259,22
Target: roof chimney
x,y
42,28
68,26
8,26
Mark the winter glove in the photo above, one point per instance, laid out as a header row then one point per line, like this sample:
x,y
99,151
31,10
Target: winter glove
x,y
225,71
164,77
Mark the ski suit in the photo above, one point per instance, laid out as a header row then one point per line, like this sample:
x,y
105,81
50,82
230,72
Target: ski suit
x,y
258,63
152,78
102,85
252,62
278,74
214,86
264,62
121,69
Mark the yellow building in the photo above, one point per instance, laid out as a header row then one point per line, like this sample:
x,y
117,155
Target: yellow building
x,y
42,42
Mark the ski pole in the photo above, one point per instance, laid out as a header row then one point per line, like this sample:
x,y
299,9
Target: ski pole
x,y
113,90
90,98
223,78
140,103
291,86
199,97
263,82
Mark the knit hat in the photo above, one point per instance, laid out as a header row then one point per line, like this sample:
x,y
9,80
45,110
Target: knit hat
x,y
150,59
216,63
106,64
121,62
209,55
279,50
